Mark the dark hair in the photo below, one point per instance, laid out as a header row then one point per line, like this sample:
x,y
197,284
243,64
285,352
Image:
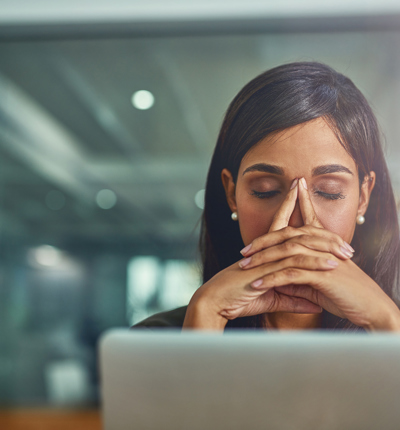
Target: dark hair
x,y
280,98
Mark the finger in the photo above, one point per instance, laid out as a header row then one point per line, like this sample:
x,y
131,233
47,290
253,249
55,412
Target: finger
x,y
304,291
312,295
302,244
322,244
289,254
282,216
280,236
271,301
306,206
285,303
291,275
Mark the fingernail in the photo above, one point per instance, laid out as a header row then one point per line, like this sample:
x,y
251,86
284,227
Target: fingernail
x,y
346,252
256,284
304,183
294,183
348,247
332,263
244,262
246,249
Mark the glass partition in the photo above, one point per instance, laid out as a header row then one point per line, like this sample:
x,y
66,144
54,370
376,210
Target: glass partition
x,y
104,149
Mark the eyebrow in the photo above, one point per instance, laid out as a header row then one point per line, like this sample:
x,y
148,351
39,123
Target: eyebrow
x,y
330,168
266,168
317,171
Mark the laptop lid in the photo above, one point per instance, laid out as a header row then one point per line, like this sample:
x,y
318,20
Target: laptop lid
x,y
249,380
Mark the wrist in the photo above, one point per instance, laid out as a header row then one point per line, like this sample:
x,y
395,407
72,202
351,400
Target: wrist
x,y
394,321
200,314
390,323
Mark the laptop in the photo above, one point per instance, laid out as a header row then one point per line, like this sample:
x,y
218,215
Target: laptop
x,y
248,380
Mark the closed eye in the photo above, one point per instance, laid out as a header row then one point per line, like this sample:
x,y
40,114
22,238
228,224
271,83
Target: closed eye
x,y
330,196
265,194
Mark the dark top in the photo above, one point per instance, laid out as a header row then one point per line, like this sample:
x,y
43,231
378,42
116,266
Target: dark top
x,y
171,319
174,320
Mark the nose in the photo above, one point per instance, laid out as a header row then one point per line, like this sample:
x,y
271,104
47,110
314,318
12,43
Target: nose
x,y
296,220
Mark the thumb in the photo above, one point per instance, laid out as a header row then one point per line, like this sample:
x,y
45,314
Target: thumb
x,y
282,216
306,206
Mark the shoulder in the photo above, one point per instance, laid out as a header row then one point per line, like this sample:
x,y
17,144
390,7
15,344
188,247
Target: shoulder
x,y
170,319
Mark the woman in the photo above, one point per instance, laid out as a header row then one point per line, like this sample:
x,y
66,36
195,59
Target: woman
x,y
297,169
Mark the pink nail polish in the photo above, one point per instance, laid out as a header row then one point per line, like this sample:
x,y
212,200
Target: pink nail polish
x,y
244,262
346,252
304,183
245,250
257,283
348,247
294,183
332,263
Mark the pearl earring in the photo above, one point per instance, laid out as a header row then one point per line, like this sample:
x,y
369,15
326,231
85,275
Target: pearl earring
x,y
234,216
360,220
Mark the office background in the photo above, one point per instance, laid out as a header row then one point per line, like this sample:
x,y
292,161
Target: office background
x,y
108,119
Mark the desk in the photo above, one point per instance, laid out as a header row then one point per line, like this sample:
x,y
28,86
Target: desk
x,y
48,419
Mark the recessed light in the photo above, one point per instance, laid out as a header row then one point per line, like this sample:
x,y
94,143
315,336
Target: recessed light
x,y
106,199
142,100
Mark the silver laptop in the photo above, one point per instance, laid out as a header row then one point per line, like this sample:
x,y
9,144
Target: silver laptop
x,y
249,380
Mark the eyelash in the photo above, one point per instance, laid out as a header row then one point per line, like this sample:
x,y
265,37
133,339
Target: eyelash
x,y
271,194
331,196
266,195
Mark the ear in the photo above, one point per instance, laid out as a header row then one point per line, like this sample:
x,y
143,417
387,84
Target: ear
x,y
366,189
229,186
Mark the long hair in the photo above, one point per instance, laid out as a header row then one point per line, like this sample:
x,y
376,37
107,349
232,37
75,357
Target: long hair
x,y
280,98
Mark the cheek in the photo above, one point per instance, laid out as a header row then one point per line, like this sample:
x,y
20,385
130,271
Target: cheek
x,y
338,217
255,218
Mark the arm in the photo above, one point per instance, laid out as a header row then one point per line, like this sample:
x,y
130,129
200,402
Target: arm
x,y
347,291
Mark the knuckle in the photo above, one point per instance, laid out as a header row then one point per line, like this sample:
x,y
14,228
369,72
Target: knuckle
x,y
308,229
303,237
299,259
272,278
320,262
256,243
256,259
291,273
290,246
259,243
326,275
288,232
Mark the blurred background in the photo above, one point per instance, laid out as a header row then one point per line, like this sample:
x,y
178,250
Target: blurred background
x,y
109,113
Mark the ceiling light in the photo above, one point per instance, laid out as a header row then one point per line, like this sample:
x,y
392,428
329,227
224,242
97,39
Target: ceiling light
x,y
45,255
142,99
106,199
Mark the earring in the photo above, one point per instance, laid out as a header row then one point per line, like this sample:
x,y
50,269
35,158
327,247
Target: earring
x,y
360,220
234,216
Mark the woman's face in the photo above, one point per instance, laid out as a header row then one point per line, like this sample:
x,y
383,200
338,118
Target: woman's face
x,y
310,150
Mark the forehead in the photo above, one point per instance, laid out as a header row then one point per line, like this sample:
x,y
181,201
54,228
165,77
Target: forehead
x,y
299,149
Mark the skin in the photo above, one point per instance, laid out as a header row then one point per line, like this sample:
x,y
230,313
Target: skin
x,y
296,219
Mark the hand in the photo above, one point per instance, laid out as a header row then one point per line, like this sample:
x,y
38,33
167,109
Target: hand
x,y
229,294
312,235
345,291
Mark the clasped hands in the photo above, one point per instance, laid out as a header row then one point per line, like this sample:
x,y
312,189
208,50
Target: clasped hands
x,y
297,270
